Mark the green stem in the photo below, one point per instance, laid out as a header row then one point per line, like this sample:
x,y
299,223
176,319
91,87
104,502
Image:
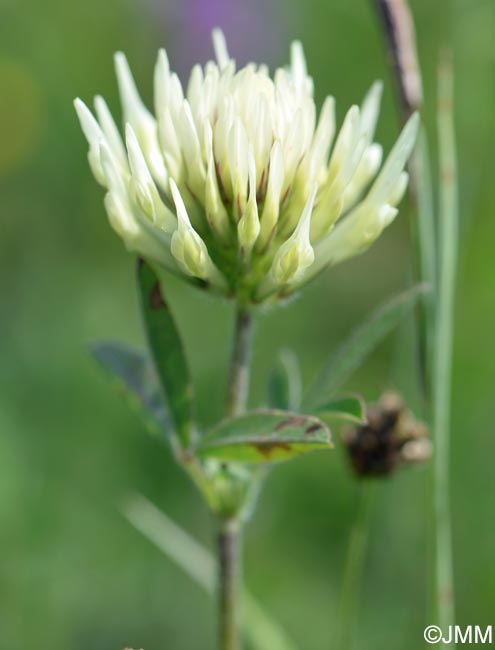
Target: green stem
x,y
442,361
229,577
353,571
261,631
239,366
229,535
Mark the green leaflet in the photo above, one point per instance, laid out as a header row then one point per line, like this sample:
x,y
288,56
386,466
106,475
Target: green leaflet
x,y
346,407
362,341
132,373
167,353
284,384
265,437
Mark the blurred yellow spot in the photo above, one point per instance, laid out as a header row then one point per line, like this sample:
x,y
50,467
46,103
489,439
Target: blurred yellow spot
x,y
20,114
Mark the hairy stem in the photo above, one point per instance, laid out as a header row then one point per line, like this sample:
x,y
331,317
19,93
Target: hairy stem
x,y
356,552
229,535
260,629
229,576
239,365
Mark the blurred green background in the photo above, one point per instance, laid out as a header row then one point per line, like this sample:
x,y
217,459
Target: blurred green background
x,y
73,574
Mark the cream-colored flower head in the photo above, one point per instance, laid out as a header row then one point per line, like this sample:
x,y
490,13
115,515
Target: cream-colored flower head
x,y
236,184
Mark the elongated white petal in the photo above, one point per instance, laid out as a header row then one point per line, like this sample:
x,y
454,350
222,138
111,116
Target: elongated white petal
x,y
352,235
94,135
143,123
248,228
389,175
139,236
216,213
162,83
134,109
89,125
261,135
366,170
323,137
136,159
182,216
170,144
137,232
386,214
345,144
399,190
209,99
189,139
114,179
220,47
187,246
271,208
146,193
176,97
111,132
296,254
238,164
293,149
346,155
120,216
370,109
194,93
298,63
352,163
327,212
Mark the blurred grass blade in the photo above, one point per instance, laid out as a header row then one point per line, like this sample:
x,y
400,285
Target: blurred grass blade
x,y
442,359
426,216
261,631
265,437
133,375
179,546
362,341
284,385
425,238
346,407
167,352
346,627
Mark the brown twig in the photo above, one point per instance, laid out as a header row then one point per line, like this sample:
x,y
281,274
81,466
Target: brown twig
x,y
401,41
398,27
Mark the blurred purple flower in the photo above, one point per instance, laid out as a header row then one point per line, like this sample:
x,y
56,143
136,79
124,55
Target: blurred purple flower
x,y
254,30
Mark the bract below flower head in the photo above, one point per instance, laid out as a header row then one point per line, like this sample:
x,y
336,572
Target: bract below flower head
x,y
235,183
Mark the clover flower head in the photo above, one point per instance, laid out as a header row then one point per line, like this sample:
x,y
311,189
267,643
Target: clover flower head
x,y
236,183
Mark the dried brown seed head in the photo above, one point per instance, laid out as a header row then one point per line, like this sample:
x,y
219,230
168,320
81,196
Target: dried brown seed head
x,y
391,438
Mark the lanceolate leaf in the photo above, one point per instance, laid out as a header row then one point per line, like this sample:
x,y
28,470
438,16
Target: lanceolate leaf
x,y
265,437
132,373
284,386
167,352
362,341
346,407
